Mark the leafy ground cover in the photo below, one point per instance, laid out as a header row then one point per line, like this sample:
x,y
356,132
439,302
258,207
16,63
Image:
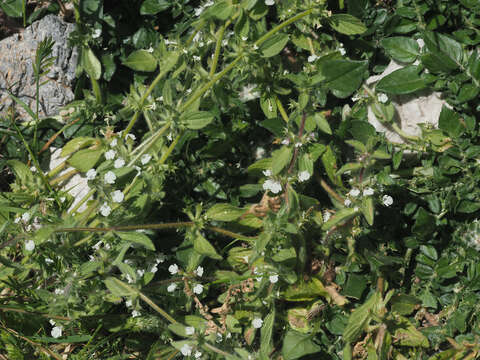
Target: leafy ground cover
x,y
241,206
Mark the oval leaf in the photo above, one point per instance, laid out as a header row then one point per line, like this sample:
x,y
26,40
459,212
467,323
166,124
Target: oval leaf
x,y
91,64
203,247
401,81
347,24
401,48
141,60
274,45
197,120
280,159
76,144
85,159
224,212
137,238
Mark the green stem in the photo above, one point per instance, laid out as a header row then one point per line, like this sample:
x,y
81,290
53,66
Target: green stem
x,y
281,109
85,198
145,146
63,177
170,149
218,46
96,90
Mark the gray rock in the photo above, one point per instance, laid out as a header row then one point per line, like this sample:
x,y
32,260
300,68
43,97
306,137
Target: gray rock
x,y
17,53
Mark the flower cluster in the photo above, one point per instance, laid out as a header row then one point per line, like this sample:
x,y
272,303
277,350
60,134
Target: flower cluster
x,y
273,185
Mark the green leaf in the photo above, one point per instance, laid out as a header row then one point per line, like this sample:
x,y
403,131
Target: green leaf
x,y
360,318
84,160
119,288
268,105
306,291
368,209
197,120
137,238
224,212
408,335
322,123
203,247
266,334
152,7
355,286
341,215
222,10
296,345
12,8
402,81
444,51
178,329
404,304
343,77
400,48
349,167
467,92
449,121
383,112
22,172
141,60
76,144
330,163
347,24
280,159
91,64
273,45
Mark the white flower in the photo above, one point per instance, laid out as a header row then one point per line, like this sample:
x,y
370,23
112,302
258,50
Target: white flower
x,y
57,332
356,97
269,2
368,192
135,313
110,154
244,38
26,217
113,143
199,271
150,49
17,219
186,350
110,178
196,58
272,185
48,261
145,158
312,58
96,33
173,269
257,323
91,174
117,196
118,163
172,287
30,245
285,141
59,292
131,137
326,216
160,258
303,176
356,209
198,354
140,272
273,278
198,289
52,322
298,144
387,200
189,330
105,210
383,98
342,51
259,153
354,192
247,93
128,303
347,202
267,172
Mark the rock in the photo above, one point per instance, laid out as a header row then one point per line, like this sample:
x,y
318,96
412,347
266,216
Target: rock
x,y
17,53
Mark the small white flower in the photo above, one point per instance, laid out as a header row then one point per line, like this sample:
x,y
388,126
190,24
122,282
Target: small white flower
x,y
196,58
387,200
118,163
247,93
30,245
312,58
298,144
105,210
117,196
128,303
52,322
135,313
198,289
110,177
285,141
273,278
140,272
17,219
91,174
198,11
173,269
160,258
48,261
199,271
368,192
198,354
347,202
342,51
113,143
189,330
356,97
59,291
57,332
259,153
186,350
96,33
269,2
356,209
244,38
172,287
257,323
150,49
303,176
383,98
272,185
26,217
130,137
154,269
110,154
255,47
267,172
354,192
145,158
326,216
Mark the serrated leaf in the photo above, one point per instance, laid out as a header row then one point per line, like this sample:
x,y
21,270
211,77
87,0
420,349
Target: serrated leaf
x,y
137,238
402,81
274,45
280,159
197,120
347,24
401,48
224,212
85,159
141,60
